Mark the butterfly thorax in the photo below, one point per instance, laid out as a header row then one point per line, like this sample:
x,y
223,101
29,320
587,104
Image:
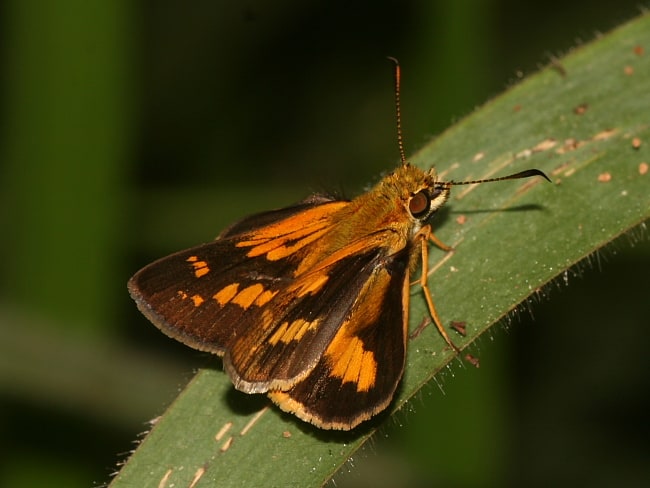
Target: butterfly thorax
x,y
387,209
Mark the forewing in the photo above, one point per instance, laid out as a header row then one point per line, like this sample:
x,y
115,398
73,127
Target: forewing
x,y
203,297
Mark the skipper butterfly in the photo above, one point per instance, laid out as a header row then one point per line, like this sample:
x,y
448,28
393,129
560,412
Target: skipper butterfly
x,y
309,304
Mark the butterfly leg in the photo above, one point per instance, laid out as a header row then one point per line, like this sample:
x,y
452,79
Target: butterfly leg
x,y
426,235
431,237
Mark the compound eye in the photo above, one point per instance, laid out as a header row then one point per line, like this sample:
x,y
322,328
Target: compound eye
x,y
419,204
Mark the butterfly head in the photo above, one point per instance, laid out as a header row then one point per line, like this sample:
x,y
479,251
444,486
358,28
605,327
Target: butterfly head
x,y
410,196
426,195
421,194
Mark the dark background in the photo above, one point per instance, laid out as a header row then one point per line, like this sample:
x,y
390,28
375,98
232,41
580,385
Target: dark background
x,y
133,129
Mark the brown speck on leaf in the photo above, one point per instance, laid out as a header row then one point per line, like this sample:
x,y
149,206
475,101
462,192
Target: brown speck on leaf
x,y
286,434
226,445
528,185
253,421
460,327
473,360
163,481
198,474
643,168
418,330
604,177
604,134
526,153
636,142
581,109
224,429
461,219
569,145
516,108
559,169
545,145
628,70
638,50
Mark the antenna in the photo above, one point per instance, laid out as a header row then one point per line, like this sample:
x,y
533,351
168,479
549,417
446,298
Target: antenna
x,y
400,141
398,110
522,174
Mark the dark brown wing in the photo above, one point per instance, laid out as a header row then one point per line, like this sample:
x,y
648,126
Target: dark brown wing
x,y
361,367
187,294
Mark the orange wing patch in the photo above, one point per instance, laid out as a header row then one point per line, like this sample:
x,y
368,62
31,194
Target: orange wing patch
x,y
352,363
265,297
248,295
201,268
277,241
196,298
311,285
226,294
252,295
292,332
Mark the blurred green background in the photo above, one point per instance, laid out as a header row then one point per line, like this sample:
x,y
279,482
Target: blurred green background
x,y
133,129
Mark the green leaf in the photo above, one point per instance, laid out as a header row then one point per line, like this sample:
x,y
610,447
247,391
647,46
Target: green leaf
x,y
578,120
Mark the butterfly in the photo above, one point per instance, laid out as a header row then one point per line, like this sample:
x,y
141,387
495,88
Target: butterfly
x,y
309,304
